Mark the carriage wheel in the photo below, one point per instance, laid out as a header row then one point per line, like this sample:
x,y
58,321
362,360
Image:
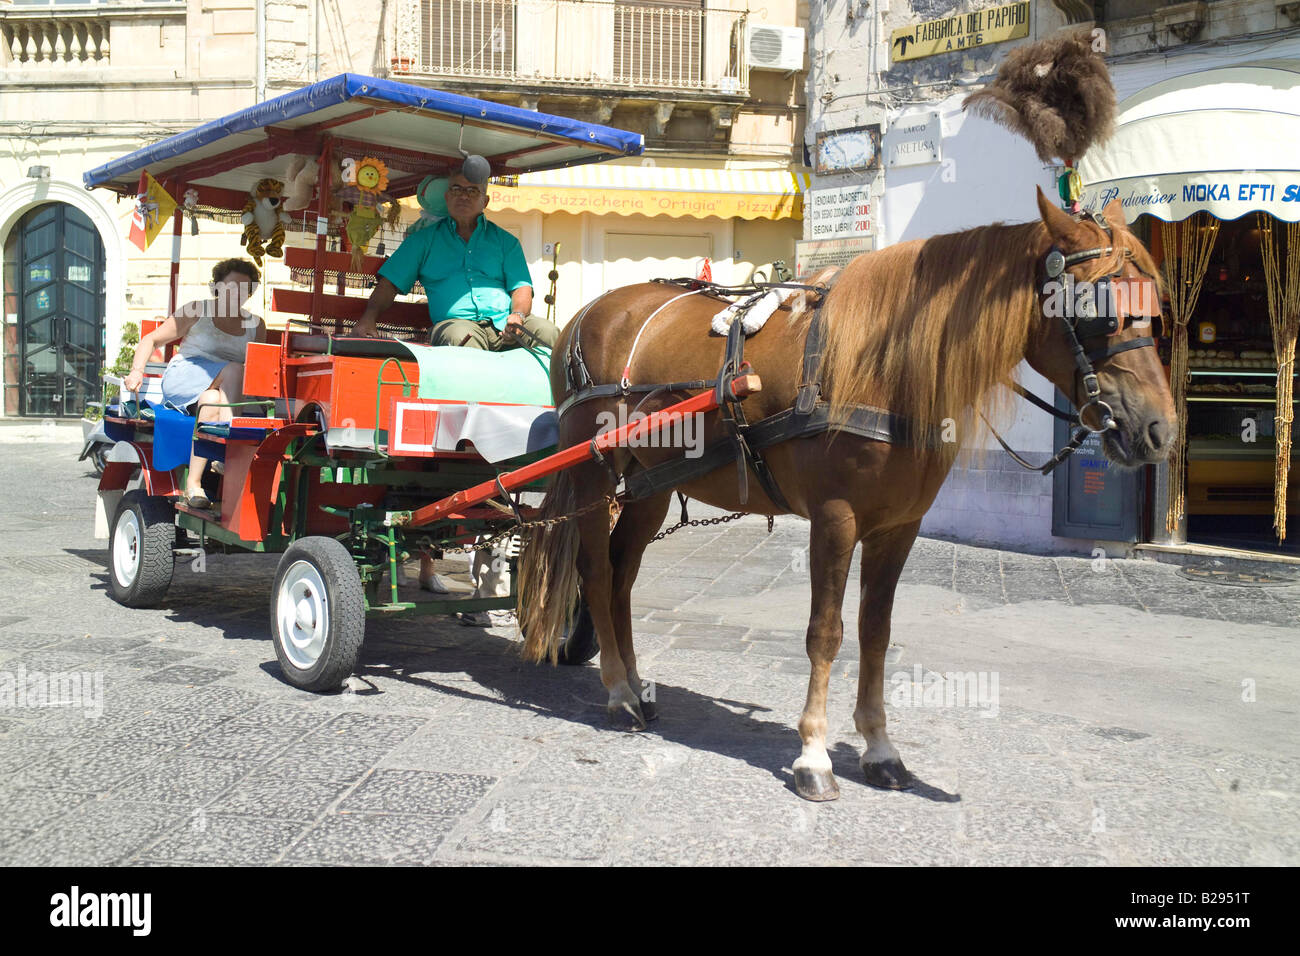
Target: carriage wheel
x,y
140,554
318,614
580,644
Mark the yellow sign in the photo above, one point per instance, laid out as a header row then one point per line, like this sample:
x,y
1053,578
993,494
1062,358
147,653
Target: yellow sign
x,y
961,32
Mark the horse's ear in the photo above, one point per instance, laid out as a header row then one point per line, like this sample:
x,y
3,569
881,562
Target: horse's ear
x,y
1114,213
1059,223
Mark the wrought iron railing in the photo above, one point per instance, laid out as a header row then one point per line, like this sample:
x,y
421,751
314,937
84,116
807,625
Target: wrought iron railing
x,y
594,44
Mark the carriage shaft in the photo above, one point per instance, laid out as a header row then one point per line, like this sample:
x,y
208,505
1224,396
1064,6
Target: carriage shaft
x,y
583,451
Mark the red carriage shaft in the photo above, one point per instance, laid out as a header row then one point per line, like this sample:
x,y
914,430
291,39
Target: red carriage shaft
x,y
584,451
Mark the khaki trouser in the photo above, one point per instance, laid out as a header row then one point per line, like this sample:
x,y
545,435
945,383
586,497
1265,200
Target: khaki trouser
x,y
484,335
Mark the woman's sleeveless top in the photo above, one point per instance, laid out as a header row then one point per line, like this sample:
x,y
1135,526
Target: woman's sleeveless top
x,y
205,340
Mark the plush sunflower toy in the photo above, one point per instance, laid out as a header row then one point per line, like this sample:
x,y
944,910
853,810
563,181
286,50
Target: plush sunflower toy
x,y
364,185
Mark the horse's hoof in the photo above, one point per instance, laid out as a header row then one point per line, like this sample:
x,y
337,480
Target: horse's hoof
x,y
649,711
816,785
888,775
626,715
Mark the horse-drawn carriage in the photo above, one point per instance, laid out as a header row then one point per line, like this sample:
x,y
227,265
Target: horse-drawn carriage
x,y
365,451
358,452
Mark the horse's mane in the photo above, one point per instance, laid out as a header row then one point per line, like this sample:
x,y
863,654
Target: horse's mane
x,y
927,328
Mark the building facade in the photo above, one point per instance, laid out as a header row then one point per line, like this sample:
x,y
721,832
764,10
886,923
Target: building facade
x,y
895,158
716,89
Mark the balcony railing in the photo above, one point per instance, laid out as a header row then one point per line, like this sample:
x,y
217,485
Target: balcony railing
x,y
72,36
589,44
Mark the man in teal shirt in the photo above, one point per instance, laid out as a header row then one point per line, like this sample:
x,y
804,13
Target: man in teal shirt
x,y
474,274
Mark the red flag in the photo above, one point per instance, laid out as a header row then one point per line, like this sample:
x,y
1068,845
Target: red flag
x,y
706,271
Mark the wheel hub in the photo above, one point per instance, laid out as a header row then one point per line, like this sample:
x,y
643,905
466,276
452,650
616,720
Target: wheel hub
x,y
302,614
126,549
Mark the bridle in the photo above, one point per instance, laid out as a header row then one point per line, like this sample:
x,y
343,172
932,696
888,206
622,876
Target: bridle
x,y
1082,322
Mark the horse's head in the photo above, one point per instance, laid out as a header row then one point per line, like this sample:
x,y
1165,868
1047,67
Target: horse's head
x,y
1098,295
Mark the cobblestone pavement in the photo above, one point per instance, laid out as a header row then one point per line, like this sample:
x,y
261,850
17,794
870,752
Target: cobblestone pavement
x,y
1141,717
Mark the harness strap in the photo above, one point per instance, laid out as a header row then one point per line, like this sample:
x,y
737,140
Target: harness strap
x,y
733,415
613,388
864,421
1096,355
1045,406
576,375
809,388
1076,440
627,366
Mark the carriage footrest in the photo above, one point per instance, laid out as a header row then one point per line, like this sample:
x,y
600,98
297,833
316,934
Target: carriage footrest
x,y
242,429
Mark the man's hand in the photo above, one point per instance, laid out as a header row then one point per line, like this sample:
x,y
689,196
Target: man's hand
x,y
132,381
514,326
379,301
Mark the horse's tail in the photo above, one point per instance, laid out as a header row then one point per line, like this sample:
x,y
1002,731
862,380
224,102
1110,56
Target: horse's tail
x,y
548,575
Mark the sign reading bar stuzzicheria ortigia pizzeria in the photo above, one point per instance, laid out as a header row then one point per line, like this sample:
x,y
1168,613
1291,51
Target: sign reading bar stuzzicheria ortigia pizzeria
x,y
961,32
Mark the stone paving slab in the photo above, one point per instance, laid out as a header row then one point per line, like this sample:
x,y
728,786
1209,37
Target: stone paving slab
x,y
1141,717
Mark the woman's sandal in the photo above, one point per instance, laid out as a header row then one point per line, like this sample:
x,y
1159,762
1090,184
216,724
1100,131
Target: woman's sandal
x,y
199,501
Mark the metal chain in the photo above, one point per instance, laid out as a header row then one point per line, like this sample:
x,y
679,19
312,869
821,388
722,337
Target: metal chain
x,y
702,522
609,501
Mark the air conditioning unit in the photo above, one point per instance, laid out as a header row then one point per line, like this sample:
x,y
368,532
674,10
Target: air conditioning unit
x,y
774,48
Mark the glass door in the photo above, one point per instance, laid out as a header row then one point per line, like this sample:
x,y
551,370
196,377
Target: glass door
x,y
61,307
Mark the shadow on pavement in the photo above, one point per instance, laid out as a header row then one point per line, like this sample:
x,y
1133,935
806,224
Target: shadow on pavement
x,y
232,596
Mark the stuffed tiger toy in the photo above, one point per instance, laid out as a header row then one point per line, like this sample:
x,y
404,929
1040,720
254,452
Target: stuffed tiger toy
x,y
264,220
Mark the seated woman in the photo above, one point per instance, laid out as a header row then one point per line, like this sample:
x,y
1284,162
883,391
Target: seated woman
x,y
208,367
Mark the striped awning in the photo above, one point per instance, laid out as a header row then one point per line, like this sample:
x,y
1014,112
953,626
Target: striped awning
x,y
658,190
1222,140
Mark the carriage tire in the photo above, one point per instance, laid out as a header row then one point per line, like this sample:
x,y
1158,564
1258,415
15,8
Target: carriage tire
x,y
318,614
99,458
580,645
140,558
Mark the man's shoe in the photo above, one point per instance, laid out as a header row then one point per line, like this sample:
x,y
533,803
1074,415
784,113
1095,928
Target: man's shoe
x,y
475,618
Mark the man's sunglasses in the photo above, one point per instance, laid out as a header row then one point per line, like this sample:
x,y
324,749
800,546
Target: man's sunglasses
x,y
472,192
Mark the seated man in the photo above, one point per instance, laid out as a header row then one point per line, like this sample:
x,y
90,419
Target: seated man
x,y
474,274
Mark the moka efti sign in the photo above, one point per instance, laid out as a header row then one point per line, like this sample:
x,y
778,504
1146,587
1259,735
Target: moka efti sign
x,y
960,32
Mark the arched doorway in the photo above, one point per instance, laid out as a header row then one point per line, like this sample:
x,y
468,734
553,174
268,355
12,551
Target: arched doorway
x,y
54,309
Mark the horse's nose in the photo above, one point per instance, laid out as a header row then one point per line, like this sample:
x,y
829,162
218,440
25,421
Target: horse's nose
x,y
1158,433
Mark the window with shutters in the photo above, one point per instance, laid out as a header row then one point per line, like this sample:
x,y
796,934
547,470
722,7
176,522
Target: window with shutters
x,y
659,42
629,44
469,37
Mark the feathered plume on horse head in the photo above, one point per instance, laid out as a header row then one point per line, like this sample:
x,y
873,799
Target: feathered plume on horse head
x,y
1056,93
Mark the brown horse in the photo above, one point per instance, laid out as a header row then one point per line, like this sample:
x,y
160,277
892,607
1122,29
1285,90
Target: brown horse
x,y
928,329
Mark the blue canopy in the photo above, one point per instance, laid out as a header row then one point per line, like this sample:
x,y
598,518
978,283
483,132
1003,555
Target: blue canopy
x,y
424,128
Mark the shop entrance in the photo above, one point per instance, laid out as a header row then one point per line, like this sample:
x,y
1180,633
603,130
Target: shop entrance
x,y
54,310
1232,402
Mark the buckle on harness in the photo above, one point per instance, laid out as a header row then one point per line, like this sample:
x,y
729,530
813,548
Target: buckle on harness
x,y
1091,387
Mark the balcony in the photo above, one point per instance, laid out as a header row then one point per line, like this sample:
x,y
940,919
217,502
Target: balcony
x,y
53,40
601,48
